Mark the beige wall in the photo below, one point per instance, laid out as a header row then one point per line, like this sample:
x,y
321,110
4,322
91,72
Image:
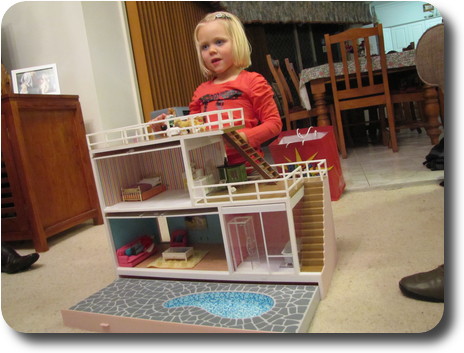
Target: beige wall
x,y
88,42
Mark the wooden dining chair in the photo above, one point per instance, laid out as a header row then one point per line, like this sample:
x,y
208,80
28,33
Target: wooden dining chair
x,y
359,89
408,108
292,111
293,74
408,104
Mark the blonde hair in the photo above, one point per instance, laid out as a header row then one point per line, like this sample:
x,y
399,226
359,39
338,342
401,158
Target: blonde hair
x,y
241,47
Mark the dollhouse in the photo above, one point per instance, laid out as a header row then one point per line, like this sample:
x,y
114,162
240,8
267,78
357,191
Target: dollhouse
x,y
175,211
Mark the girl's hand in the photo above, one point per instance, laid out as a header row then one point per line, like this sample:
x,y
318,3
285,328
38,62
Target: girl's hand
x,y
157,126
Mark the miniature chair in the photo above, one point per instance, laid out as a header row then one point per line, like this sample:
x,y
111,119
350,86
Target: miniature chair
x,y
359,90
292,112
179,238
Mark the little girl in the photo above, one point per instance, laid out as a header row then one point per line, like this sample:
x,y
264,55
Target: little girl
x,y
224,53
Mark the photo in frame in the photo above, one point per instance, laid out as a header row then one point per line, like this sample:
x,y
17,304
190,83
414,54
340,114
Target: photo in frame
x,y
196,222
36,80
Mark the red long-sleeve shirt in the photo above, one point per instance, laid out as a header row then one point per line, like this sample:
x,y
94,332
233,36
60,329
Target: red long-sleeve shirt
x,y
249,91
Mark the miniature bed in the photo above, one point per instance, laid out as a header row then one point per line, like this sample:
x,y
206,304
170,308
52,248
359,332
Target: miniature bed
x,y
143,190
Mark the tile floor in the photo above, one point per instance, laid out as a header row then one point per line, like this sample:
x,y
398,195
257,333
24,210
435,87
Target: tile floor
x,y
377,166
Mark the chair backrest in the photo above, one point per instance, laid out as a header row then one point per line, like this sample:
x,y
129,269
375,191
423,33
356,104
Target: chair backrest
x,y
357,74
293,75
274,67
430,56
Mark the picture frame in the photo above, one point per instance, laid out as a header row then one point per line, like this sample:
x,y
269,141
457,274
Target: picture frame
x,y
427,7
36,80
196,222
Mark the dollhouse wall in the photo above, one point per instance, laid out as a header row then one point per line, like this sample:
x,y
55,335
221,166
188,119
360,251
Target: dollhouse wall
x,y
124,231
168,164
124,171
276,230
208,158
116,173
210,234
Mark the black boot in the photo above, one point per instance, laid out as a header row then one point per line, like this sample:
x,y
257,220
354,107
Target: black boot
x,y
12,262
428,286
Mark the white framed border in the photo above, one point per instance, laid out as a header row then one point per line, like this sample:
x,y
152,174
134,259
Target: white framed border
x,y
36,80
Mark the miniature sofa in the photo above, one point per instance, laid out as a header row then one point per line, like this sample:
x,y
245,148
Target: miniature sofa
x,y
136,251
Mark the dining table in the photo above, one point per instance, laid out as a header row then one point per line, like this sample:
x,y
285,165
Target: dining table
x,y
318,78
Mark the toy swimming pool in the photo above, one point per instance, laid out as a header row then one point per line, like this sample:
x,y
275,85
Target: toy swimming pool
x,y
283,308
232,305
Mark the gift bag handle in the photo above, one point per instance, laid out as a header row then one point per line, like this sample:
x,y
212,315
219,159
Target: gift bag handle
x,y
303,137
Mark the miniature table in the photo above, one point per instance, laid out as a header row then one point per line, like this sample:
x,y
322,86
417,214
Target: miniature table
x,y
177,253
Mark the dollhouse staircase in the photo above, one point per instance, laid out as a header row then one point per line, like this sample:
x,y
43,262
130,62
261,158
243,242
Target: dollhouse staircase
x,y
309,226
251,155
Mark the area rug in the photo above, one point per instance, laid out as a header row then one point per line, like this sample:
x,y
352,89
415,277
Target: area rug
x,y
192,261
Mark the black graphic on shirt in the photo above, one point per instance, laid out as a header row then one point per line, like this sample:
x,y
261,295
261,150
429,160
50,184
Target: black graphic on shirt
x,y
219,98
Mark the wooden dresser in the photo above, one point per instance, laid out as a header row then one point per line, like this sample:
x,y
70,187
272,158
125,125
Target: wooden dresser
x,y
47,180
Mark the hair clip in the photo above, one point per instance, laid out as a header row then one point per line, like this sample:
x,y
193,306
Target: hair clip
x,y
222,16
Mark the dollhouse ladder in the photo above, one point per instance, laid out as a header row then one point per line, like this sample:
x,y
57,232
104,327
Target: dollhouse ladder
x,y
251,155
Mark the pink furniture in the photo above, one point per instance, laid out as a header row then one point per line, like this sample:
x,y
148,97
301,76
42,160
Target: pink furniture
x,y
179,238
148,249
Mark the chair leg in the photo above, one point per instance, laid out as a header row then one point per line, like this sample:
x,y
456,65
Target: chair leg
x,y
288,123
383,128
341,135
347,120
391,127
441,101
372,128
414,118
333,121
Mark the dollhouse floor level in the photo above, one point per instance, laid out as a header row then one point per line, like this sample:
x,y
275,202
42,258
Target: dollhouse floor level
x,y
142,303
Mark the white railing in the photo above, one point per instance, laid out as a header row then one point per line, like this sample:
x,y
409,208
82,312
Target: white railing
x,y
313,168
289,181
188,124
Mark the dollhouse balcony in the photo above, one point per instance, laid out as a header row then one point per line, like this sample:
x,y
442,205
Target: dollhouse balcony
x,y
176,127
291,181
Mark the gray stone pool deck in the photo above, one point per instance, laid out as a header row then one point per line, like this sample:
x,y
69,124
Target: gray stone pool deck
x,y
143,299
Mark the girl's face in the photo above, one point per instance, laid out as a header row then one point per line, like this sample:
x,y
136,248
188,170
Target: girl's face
x,y
216,50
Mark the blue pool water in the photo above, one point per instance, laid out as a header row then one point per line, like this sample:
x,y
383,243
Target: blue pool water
x,y
232,305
